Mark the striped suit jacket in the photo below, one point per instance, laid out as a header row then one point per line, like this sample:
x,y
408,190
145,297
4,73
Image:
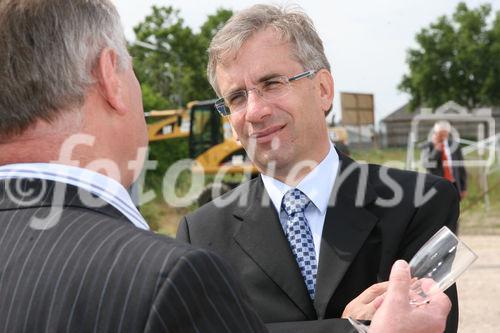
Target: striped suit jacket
x,y
69,262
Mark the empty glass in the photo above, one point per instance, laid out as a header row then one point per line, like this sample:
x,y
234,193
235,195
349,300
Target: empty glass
x,y
435,267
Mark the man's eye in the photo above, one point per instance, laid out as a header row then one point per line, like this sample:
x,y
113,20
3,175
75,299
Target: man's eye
x,y
236,99
273,84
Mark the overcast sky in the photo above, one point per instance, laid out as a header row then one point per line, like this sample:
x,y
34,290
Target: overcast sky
x,y
365,40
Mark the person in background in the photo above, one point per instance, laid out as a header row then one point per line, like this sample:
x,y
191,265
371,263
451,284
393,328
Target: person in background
x,y
443,157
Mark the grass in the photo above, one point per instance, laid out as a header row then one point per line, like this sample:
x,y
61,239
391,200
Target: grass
x,y
476,216
163,218
379,156
479,215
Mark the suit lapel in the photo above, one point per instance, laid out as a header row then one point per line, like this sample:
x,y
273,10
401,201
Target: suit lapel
x,y
346,228
261,237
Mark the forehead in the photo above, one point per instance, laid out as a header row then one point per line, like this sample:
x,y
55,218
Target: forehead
x,y
262,54
442,131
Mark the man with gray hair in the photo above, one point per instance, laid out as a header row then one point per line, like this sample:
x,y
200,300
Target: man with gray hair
x,y
314,235
443,157
75,254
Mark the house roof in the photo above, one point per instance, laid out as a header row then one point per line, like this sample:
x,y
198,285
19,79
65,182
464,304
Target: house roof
x,y
404,114
401,114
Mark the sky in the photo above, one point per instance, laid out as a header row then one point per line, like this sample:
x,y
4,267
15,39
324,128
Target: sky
x,y
366,41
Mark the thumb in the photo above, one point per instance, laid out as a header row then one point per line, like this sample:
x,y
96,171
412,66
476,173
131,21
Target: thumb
x,y
399,283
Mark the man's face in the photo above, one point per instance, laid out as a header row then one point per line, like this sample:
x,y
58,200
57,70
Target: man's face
x,y
441,135
288,129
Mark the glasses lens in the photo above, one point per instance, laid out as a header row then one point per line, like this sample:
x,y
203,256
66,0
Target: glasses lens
x,y
236,101
274,88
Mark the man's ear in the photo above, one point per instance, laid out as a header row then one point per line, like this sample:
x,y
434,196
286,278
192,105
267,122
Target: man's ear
x,y
326,86
107,72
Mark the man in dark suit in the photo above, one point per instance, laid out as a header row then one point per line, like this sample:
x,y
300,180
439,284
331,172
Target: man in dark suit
x,y
74,255
443,157
94,271
315,234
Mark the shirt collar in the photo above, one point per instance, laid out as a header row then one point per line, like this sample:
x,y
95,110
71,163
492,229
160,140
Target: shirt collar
x,y
105,187
315,184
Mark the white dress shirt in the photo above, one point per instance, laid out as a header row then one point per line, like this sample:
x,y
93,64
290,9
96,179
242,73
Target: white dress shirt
x,y
447,151
102,186
317,185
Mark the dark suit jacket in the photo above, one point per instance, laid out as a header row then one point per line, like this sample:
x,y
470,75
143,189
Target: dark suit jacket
x,y
359,242
94,271
434,164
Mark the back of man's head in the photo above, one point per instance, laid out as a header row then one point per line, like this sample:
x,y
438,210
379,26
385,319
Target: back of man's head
x,y
47,52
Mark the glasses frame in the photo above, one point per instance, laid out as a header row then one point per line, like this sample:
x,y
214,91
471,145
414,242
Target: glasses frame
x,y
224,111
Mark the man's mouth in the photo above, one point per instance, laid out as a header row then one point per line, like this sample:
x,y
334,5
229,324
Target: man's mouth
x,y
266,135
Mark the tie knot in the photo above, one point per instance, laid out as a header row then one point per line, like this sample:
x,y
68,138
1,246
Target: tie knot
x,y
294,201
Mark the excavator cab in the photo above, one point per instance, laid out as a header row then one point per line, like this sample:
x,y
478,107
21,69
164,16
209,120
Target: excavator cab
x,y
209,135
206,128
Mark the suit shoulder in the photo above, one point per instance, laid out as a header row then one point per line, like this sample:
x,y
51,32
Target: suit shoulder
x,y
119,231
377,173
384,179
226,203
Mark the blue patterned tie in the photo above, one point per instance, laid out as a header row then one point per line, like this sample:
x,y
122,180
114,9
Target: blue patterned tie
x,y
299,236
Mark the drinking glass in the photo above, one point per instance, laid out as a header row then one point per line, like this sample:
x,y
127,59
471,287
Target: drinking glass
x,y
434,268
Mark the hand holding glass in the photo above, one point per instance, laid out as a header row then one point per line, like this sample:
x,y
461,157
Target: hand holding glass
x,y
435,267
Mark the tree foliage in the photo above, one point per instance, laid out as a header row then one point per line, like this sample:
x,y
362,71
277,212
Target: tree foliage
x,y
458,59
174,71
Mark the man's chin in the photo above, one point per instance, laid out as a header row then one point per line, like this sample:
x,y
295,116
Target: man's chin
x,y
270,161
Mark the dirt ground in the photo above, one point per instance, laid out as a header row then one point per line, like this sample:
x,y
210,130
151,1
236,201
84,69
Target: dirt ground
x,y
479,287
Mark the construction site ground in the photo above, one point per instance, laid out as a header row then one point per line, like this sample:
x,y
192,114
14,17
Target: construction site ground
x,y
479,287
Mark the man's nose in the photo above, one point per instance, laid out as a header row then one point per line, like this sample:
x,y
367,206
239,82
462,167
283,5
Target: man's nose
x,y
257,107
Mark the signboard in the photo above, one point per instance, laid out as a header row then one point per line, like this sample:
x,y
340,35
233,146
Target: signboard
x,y
357,109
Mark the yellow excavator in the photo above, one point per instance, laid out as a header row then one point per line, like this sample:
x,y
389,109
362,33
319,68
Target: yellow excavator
x,y
173,124
211,143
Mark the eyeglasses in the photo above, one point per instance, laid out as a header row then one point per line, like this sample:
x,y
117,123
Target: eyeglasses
x,y
268,90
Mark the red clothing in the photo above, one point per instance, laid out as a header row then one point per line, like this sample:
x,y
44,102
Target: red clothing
x,y
447,171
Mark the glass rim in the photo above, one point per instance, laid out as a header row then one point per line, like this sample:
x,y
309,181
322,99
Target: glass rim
x,y
439,234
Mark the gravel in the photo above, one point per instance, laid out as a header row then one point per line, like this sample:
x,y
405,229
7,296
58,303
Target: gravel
x,y
479,287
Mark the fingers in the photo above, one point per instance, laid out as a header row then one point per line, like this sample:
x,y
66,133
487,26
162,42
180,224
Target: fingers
x,y
441,304
429,286
378,301
363,306
373,292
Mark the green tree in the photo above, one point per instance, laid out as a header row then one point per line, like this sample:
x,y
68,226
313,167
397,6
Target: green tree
x,y
458,59
207,31
170,61
173,67
491,86
167,66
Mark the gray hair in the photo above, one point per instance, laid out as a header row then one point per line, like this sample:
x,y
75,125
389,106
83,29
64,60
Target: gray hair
x,y
290,22
48,49
442,125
